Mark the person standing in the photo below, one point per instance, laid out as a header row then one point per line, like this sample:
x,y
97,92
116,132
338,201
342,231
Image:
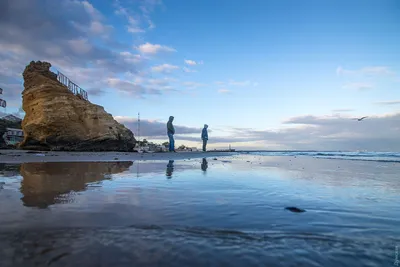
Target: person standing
x,y
170,133
204,136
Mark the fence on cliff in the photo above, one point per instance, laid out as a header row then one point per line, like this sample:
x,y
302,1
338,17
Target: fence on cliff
x,y
74,88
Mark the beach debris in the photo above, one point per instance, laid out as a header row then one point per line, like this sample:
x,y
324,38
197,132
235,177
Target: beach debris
x,y
116,158
294,209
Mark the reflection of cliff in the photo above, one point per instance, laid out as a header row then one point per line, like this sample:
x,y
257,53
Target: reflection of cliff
x,y
48,183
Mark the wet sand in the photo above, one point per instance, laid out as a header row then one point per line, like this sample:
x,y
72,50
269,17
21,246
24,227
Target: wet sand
x,y
167,210
21,156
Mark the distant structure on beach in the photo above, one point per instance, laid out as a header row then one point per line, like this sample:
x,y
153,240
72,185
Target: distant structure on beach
x,y
13,136
9,132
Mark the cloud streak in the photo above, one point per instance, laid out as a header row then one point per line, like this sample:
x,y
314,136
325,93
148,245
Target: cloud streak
x,y
164,68
224,91
370,71
358,86
192,62
152,49
343,110
385,103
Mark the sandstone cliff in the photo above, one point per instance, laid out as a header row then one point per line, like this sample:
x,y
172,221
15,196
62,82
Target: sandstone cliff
x,y
57,119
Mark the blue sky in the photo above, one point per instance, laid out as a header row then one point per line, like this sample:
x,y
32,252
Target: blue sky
x,y
249,64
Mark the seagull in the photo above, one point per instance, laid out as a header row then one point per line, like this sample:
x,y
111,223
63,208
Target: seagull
x,y
360,119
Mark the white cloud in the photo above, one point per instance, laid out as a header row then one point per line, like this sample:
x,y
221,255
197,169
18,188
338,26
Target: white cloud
x,y
80,46
394,102
185,69
131,58
137,15
96,25
192,62
135,29
343,110
93,12
224,91
131,88
236,83
192,84
164,82
149,48
133,25
370,70
358,86
164,68
98,28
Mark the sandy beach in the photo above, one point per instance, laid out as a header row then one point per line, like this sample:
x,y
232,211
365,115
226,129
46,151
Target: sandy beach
x,y
21,156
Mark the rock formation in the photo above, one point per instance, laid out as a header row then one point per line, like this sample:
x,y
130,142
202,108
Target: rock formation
x,y
57,119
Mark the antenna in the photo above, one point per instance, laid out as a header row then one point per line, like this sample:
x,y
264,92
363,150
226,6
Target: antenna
x,y
139,129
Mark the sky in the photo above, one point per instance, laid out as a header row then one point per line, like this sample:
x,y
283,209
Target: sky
x,y
284,74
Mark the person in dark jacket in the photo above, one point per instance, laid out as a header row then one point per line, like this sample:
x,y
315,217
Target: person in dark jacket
x,y
170,133
204,136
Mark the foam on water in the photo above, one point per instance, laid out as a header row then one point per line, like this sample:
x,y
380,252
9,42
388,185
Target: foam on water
x,y
363,156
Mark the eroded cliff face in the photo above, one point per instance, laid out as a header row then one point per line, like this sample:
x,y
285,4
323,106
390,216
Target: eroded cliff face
x,y
57,119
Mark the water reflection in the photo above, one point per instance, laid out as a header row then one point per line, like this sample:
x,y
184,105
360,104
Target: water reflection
x,y
204,165
48,183
170,169
9,170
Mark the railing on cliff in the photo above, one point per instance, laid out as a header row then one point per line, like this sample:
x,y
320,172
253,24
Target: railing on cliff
x,y
74,88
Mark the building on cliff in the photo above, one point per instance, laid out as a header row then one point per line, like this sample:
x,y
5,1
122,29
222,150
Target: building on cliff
x,y
10,131
13,136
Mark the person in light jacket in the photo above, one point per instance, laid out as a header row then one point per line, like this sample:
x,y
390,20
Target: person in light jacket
x,y
204,136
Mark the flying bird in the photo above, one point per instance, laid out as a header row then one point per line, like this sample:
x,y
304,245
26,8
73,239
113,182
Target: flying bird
x,y
360,119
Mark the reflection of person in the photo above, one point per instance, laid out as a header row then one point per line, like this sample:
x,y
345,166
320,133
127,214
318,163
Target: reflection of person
x,y
171,132
170,169
204,164
204,136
